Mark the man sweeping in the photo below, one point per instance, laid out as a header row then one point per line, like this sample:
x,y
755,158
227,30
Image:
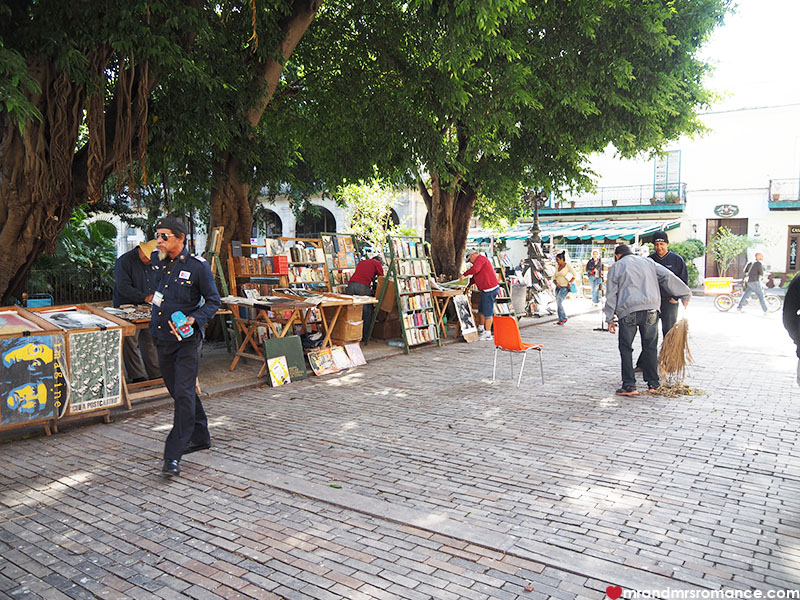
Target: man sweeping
x,y
633,297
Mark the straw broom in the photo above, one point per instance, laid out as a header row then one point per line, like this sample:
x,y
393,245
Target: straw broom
x,y
675,354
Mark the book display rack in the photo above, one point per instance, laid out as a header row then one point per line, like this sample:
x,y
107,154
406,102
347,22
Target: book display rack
x,y
307,268
542,271
251,268
341,258
410,270
502,303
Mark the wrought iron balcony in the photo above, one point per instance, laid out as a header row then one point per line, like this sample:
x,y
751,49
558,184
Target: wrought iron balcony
x,y
617,200
784,194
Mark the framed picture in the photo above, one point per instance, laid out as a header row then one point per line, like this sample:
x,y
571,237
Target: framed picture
x,y
464,312
278,371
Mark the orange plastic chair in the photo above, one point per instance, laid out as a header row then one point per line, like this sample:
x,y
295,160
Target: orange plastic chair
x,y
507,337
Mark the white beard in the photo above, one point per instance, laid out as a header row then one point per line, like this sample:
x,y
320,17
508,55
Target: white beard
x,y
162,255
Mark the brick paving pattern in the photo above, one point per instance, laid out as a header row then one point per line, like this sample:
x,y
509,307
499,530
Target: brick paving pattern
x,y
446,486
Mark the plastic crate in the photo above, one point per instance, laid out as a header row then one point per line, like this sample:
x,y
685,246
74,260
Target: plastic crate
x,y
718,285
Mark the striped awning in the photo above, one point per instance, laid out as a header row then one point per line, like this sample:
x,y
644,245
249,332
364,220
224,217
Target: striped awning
x,y
598,231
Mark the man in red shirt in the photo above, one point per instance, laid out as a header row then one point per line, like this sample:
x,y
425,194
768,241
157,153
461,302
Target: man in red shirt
x,y
485,279
360,284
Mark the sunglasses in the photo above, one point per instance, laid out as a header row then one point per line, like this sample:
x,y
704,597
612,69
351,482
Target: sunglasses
x,y
165,236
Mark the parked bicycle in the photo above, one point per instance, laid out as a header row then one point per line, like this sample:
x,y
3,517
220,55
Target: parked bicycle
x,y
727,301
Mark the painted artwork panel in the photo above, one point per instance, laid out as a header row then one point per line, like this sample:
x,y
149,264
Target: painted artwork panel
x,y
76,319
95,360
12,322
32,382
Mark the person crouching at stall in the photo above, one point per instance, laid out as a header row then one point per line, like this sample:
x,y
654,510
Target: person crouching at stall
x,y
184,287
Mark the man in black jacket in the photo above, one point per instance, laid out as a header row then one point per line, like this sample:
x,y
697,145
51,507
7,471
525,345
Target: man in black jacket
x,y
184,283
133,284
791,320
667,258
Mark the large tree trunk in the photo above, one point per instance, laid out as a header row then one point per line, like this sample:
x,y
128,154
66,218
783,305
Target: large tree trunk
x,y
43,178
450,209
230,197
37,189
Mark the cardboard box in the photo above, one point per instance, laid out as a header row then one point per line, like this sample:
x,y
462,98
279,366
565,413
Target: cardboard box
x,y
349,326
390,297
386,330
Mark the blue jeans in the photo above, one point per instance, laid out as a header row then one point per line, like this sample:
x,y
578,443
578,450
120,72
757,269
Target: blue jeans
x,y
753,287
595,283
561,294
646,322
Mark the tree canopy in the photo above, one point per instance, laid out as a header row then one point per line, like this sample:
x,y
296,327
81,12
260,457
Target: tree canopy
x,y
471,101
477,101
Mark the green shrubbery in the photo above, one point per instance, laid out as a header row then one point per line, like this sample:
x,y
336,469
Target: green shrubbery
x,y
688,251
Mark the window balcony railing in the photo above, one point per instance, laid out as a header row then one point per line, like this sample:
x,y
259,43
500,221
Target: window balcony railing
x,y
784,194
629,198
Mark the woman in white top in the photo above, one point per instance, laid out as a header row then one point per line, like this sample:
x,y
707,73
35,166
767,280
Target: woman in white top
x,y
564,276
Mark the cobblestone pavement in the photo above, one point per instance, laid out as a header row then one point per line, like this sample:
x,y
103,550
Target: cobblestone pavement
x,y
416,477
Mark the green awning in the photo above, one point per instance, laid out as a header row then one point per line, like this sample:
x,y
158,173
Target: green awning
x,y
599,231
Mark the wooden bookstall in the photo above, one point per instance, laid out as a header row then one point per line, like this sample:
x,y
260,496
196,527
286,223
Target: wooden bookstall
x,y
341,258
254,270
33,389
410,271
94,358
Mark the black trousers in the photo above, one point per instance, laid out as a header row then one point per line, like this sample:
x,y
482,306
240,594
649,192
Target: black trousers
x,y
669,315
180,363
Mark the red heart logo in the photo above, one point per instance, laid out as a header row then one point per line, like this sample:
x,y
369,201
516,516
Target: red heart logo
x,y
614,592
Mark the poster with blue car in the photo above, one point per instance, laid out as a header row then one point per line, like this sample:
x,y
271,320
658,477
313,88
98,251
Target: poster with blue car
x,y
33,386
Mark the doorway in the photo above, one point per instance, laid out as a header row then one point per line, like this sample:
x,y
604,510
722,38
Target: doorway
x,y
736,226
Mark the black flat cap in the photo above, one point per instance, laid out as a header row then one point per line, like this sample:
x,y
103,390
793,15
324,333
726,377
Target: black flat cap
x,y
174,225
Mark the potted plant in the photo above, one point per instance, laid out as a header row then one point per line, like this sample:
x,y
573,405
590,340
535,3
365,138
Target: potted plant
x,y
613,203
672,198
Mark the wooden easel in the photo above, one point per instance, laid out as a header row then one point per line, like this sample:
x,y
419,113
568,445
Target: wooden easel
x,y
218,272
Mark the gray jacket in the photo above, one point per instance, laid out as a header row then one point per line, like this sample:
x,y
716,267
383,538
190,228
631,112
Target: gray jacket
x,y
633,284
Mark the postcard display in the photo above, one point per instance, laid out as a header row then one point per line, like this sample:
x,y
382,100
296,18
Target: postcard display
x,y
94,355
410,269
502,303
340,259
33,385
542,272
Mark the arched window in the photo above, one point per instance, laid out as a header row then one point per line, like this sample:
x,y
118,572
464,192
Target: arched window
x,y
315,221
268,224
392,218
428,227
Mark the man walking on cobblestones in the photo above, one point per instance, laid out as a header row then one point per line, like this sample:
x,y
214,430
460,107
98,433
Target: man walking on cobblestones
x,y
633,297
183,283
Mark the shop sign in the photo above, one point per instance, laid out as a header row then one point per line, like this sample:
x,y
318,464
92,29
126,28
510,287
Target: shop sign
x,y
726,210
793,229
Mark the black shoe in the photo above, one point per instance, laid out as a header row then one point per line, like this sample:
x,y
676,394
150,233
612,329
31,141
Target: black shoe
x,y
195,447
139,380
171,467
627,391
